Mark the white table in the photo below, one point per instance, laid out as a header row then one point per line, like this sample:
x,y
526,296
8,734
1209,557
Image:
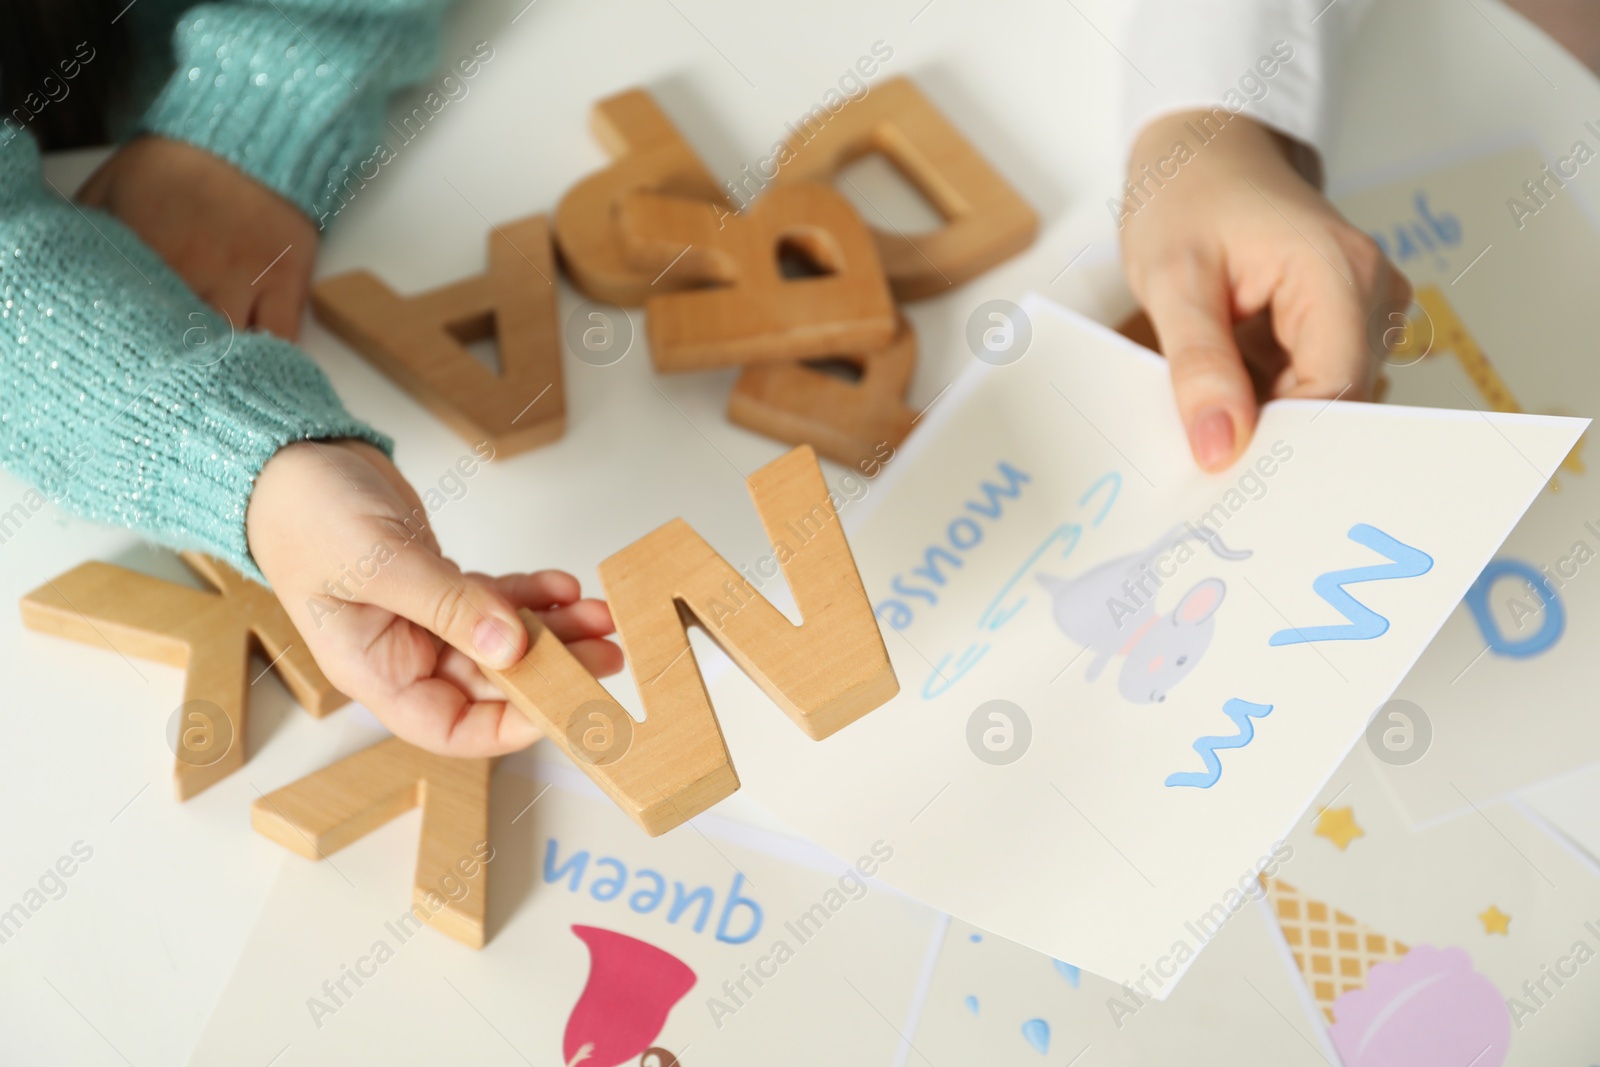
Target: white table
x,y
124,967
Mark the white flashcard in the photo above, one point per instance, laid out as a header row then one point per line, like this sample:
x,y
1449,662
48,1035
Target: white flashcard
x,y
1122,678
715,945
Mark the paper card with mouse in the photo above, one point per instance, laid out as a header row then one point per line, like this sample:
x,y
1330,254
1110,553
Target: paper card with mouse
x,y
1472,941
1122,678
1504,260
605,947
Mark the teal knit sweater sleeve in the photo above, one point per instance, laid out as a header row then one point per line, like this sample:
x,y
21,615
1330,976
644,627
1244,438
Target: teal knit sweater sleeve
x,y
125,398
293,92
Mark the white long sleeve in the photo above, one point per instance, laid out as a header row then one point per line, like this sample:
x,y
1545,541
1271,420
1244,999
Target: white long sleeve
x,y
1275,61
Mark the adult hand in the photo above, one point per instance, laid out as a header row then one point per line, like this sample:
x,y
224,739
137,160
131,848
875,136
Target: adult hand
x,y
1234,236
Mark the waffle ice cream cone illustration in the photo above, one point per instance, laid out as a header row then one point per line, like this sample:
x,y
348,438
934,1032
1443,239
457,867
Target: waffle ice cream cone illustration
x,y
1333,950
1389,1004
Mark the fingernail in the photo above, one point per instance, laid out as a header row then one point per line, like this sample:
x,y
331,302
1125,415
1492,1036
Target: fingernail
x,y
489,638
1212,438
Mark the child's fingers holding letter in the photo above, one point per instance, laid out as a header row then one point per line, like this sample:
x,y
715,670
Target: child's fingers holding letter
x,y
346,545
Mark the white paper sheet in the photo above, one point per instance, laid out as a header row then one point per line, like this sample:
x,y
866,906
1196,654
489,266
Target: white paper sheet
x,y
995,1003
987,550
1571,804
334,974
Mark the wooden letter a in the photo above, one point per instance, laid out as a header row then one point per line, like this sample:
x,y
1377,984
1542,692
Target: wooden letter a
x,y
825,673
420,341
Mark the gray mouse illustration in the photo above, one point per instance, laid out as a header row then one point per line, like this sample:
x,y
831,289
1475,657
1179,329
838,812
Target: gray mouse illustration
x,y
1110,610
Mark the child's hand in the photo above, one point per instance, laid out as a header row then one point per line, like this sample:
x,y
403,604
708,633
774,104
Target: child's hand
x,y
342,538
1235,232
239,245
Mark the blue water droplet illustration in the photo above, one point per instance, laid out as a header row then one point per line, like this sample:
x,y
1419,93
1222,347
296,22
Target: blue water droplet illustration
x,y
1067,971
972,1004
1037,1033
975,938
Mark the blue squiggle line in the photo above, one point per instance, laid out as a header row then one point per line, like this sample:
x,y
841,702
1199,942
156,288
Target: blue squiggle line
x,y
998,614
994,616
1241,712
938,681
1364,623
1115,478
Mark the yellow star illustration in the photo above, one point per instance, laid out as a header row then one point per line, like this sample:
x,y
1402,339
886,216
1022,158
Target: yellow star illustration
x,y
1339,826
1495,921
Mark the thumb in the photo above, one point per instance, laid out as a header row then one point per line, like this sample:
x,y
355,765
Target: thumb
x,y
464,610
93,192
1190,310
